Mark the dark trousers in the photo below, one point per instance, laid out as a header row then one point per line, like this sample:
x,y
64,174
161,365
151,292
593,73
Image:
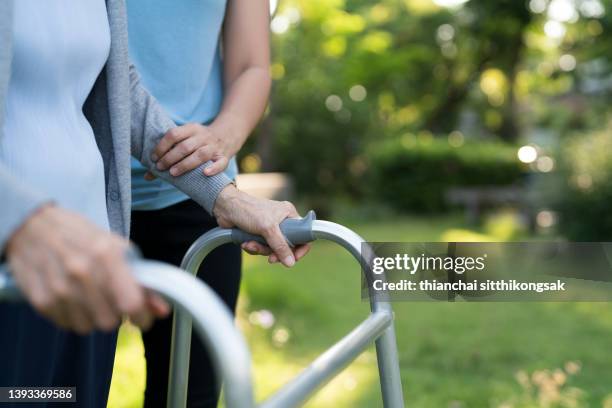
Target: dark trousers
x,y
165,235
35,353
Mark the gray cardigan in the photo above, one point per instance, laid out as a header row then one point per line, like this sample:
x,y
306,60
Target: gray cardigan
x,y
125,119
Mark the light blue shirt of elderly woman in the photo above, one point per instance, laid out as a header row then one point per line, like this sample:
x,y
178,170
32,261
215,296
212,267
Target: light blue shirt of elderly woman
x,y
49,144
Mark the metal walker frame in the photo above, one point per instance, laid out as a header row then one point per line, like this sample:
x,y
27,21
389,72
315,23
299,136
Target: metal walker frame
x,y
196,304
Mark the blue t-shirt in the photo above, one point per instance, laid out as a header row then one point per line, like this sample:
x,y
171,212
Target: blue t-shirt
x,y
175,48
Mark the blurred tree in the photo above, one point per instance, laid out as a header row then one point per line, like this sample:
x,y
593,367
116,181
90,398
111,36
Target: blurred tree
x,y
492,38
351,74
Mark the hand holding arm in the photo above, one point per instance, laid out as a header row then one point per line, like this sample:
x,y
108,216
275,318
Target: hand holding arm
x,y
149,122
246,64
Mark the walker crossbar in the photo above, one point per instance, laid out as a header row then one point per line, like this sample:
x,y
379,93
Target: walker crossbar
x,y
328,364
378,327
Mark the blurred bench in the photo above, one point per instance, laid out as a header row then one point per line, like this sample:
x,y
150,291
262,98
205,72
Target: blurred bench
x,y
475,199
273,186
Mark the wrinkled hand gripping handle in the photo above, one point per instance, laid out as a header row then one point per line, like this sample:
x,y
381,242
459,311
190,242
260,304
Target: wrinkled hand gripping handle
x,y
297,231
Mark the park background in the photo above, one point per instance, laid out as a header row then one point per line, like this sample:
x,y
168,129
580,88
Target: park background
x,y
431,120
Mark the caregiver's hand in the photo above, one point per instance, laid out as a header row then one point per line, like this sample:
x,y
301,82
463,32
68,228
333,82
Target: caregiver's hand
x,y
261,217
75,273
186,147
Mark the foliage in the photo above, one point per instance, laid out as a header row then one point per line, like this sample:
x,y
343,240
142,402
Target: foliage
x,y
586,191
351,74
415,175
549,388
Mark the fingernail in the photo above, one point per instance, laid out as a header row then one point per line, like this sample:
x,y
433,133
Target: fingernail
x,y
154,157
159,166
173,171
289,261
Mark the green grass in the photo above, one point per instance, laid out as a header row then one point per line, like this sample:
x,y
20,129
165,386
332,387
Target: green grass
x,y
451,354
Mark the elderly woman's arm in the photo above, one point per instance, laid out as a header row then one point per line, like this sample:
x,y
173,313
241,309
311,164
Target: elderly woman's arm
x,y
69,270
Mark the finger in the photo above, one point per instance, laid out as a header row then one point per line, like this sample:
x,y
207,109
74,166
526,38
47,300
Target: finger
x,y
89,273
61,317
55,280
86,302
289,209
292,211
276,241
32,281
36,271
255,248
128,296
172,137
80,321
26,274
72,307
193,161
217,167
248,249
149,176
178,152
300,251
100,302
61,276
143,320
157,305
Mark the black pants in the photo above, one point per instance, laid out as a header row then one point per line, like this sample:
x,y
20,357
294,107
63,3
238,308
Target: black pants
x,y
165,235
36,353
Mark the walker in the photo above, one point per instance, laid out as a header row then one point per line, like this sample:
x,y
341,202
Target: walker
x,y
195,303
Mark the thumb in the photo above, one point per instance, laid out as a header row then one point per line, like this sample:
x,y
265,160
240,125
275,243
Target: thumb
x,y
217,167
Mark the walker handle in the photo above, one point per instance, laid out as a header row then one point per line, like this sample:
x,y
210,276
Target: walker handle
x,y
297,231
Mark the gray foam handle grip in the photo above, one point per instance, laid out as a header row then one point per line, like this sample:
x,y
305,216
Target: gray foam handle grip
x,y
297,231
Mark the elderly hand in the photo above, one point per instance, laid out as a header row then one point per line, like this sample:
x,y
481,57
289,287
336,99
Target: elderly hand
x,y
261,217
76,274
186,147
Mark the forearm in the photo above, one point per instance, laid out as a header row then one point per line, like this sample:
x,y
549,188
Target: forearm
x,y
244,103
